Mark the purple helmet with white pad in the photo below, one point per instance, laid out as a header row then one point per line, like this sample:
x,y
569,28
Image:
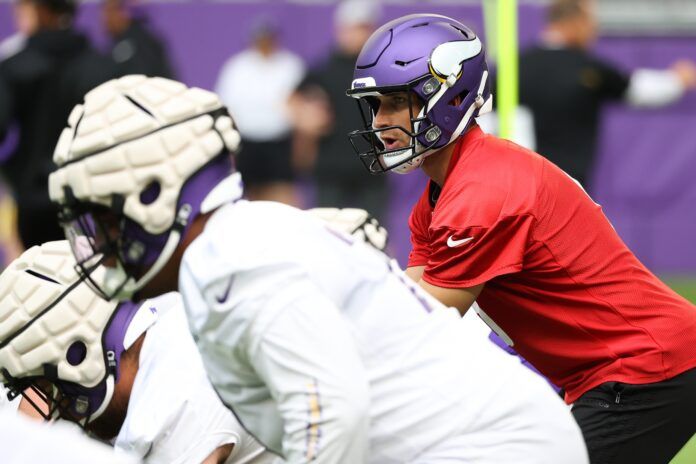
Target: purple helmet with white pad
x,y
434,59
59,338
140,159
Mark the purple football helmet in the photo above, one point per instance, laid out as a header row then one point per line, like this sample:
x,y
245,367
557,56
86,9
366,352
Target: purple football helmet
x,y
433,57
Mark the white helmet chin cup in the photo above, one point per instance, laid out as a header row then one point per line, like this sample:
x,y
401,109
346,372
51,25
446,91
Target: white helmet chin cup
x,y
390,160
121,286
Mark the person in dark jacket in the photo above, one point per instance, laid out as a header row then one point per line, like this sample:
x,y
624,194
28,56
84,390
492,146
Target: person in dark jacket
x,y
339,180
135,49
565,85
39,85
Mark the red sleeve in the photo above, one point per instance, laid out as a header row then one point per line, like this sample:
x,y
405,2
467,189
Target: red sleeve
x,y
465,257
418,223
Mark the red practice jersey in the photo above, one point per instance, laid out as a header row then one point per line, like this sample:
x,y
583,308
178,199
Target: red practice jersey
x,y
560,283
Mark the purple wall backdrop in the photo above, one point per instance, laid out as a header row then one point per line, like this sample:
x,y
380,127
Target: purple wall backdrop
x,y
647,162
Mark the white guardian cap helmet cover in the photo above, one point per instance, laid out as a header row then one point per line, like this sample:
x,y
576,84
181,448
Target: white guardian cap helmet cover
x,y
58,337
154,154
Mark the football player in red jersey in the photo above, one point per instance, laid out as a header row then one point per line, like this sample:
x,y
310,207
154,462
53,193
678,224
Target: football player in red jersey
x,y
504,226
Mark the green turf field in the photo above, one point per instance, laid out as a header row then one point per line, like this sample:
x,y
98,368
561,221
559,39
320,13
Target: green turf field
x,y
687,455
685,286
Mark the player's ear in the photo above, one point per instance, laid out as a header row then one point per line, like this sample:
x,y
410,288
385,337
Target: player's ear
x,y
417,102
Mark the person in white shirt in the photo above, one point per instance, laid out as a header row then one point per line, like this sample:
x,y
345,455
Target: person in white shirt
x,y
128,373
256,85
323,348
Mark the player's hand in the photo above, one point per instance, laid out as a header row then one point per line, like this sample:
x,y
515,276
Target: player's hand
x,y
686,72
310,112
356,222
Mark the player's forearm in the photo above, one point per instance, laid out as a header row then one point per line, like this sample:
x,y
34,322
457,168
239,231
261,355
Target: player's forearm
x,y
415,272
219,455
460,298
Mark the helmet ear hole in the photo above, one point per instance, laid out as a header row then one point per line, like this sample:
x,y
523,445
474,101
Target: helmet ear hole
x,y
77,352
457,100
151,193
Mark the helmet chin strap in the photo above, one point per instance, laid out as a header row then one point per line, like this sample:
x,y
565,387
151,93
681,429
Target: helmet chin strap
x,y
118,283
399,156
134,330
479,102
114,278
108,395
228,190
110,387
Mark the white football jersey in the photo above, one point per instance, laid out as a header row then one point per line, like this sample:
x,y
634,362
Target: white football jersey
x,y
24,441
174,415
326,351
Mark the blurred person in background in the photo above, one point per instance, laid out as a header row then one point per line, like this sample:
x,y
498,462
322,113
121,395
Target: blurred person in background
x,y
263,118
24,16
322,109
135,49
10,245
564,85
39,85
25,19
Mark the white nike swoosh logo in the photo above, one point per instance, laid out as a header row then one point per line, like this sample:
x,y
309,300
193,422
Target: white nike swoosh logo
x,y
451,242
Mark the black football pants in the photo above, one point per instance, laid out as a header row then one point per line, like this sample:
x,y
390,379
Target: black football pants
x,y
638,424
